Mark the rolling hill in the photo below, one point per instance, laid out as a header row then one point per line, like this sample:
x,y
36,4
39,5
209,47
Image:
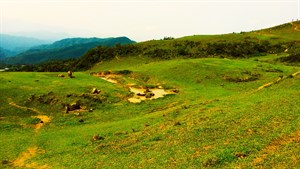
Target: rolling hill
x,y
229,101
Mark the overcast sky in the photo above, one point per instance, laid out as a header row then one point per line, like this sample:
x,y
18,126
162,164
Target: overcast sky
x,y
142,20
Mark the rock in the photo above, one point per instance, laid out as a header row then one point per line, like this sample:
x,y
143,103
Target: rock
x,y
147,90
74,106
149,95
67,109
61,75
141,94
97,137
32,97
95,91
175,90
70,74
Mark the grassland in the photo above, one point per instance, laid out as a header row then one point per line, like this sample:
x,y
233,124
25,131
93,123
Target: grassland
x,y
211,122
218,119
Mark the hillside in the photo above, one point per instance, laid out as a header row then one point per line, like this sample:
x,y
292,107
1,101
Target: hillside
x,y
64,49
219,101
18,44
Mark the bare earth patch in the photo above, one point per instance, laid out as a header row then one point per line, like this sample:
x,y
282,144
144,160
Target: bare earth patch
x,y
140,94
27,155
44,119
31,151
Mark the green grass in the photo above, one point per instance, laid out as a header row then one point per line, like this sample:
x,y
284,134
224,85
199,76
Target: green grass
x,y
211,122
217,120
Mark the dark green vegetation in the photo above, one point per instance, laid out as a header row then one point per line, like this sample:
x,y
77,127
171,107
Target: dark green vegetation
x,y
64,49
283,38
221,117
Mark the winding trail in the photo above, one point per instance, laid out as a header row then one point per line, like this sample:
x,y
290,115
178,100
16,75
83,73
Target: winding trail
x,y
276,81
33,150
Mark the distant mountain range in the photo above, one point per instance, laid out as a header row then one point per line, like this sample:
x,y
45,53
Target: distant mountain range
x,y
13,45
64,49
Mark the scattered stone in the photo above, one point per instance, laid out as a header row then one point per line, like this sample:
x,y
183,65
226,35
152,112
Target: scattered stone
x,y
81,120
97,137
149,95
32,97
74,106
61,75
147,90
141,94
240,155
67,109
175,90
95,91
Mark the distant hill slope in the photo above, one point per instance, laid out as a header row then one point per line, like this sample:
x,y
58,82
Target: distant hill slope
x,y
282,39
64,49
18,44
235,45
5,53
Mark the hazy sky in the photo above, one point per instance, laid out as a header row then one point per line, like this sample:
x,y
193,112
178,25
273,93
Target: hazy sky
x,y
142,20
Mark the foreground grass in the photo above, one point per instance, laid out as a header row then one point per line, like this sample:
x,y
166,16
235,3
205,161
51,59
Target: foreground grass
x,y
215,120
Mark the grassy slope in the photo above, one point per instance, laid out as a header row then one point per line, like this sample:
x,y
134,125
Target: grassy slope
x,y
220,120
211,122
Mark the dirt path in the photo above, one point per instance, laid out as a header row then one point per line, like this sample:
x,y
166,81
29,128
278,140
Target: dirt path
x,y
44,119
27,155
34,150
275,82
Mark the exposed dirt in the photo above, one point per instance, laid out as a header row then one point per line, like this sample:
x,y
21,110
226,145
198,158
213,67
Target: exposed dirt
x,y
31,151
25,108
27,155
44,120
107,76
140,94
276,81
